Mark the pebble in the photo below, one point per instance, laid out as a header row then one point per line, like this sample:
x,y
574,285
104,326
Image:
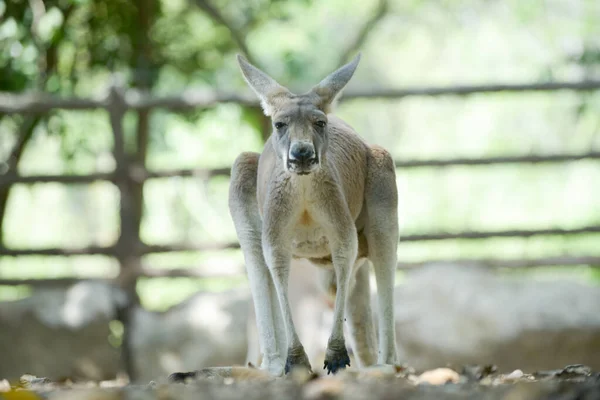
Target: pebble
x,y
516,374
439,376
4,386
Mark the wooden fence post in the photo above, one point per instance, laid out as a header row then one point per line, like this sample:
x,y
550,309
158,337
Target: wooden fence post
x,y
128,245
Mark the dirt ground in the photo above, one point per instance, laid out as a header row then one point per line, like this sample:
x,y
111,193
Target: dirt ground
x,y
386,382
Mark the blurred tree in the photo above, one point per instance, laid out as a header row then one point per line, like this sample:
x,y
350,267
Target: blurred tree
x,y
35,36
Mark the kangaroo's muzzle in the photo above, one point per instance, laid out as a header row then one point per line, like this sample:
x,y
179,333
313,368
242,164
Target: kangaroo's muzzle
x,y
302,158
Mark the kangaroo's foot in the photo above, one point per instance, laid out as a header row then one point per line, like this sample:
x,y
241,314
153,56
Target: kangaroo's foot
x,y
274,365
336,357
297,358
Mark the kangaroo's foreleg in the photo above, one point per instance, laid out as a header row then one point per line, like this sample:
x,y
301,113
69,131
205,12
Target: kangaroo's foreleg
x,y
243,206
277,250
381,200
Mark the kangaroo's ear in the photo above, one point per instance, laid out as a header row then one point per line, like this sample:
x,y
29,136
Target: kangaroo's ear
x,y
268,90
331,86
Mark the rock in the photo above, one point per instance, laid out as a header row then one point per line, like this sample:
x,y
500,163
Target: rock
x,y
60,332
206,330
576,371
515,375
4,386
466,315
438,376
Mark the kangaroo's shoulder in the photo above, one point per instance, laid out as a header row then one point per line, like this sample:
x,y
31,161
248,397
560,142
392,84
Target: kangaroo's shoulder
x,y
339,126
343,138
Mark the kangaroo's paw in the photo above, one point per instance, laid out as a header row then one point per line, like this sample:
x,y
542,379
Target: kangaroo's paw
x,y
336,357
297,358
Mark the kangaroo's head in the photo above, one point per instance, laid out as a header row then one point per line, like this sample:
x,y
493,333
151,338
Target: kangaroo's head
x,y
300,130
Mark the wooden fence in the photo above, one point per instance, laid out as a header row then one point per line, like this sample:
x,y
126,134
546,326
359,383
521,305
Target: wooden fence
x,y
130,174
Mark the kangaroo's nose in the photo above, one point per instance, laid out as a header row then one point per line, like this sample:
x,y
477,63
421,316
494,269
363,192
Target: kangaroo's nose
x,y
301,152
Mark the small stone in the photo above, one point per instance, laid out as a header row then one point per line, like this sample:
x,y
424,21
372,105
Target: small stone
x,y
25,379
31,381
109,384
516,374
439,376
576,370
4,386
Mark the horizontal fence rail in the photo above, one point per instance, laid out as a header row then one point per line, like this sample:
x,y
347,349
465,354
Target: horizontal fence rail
x,y
138,174
239,271
181,247
36,103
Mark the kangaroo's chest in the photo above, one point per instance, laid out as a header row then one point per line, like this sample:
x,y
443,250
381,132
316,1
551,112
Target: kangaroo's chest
x,y
312,224
313,205
309,237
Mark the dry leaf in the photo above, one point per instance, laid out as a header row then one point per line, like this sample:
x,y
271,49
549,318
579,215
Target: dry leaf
x,y
19,394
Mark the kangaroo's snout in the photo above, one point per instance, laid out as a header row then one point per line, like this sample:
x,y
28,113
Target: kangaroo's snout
x,y
302,158
301,152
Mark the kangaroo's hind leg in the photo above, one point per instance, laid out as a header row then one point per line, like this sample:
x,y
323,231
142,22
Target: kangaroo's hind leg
x,y
359,316
381,202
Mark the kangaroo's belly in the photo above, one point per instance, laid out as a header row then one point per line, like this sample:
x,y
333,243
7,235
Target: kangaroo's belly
x,y
310,241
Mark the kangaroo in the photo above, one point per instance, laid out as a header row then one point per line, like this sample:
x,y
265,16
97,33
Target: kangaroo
x,y
319,192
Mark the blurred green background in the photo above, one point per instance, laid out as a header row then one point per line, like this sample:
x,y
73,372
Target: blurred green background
x,y
72,48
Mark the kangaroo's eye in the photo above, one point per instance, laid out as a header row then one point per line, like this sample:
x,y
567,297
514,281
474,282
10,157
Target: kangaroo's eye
x,y
279,125
320,124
